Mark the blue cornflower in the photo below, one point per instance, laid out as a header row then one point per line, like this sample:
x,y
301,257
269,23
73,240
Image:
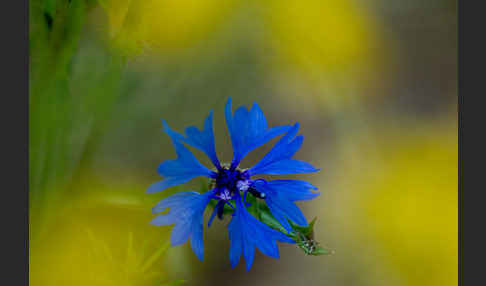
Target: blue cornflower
x,y
248,130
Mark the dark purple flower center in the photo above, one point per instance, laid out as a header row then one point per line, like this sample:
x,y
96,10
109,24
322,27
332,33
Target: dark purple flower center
x,y
228,179
229,182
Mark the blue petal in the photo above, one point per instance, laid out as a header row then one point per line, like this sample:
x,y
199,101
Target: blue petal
x,y
197,243
176,200
217,208
202,140
284,167
293,190
283,209
236,243
186,213
249,254
163,220
286,209
279,196
180,232
248,130
246,233
278,161
180,170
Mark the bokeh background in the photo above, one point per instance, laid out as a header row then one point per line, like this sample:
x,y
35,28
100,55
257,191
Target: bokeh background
x,y
372,82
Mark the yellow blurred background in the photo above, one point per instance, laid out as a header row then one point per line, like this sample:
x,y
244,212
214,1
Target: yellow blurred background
x,y
373,84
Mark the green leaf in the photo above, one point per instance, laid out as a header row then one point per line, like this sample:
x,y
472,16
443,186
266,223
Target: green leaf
x,y
267,218
252,205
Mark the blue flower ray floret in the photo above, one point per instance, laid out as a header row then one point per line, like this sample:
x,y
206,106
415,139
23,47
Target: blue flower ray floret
x,y
246,233
248,130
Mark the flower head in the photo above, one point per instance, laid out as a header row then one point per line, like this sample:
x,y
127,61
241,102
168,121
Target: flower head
x,y
248,130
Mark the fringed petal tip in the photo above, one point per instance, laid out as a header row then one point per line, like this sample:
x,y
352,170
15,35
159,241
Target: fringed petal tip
x,y
312,196
162,220
165,125
154,188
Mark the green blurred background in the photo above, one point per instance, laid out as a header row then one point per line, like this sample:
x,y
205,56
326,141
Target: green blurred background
x,y
373,84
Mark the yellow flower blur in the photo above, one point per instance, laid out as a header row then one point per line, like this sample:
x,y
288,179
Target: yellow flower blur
x,y
166,26
400,195
326,52
99,238
319,36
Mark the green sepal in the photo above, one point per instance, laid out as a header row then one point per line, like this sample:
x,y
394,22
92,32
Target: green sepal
x,y
304,237
307,231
